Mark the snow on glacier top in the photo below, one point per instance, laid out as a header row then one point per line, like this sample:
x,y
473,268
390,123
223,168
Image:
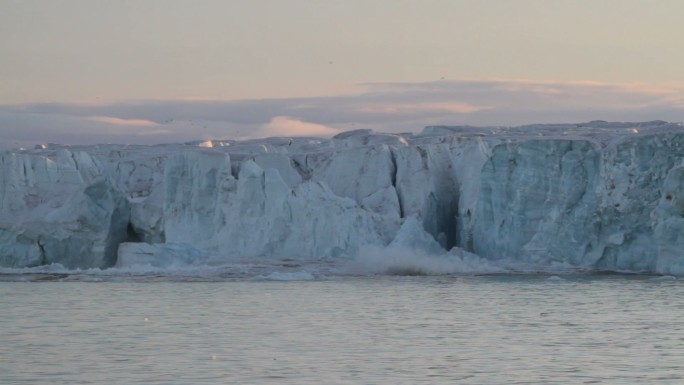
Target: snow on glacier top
x,y
601,132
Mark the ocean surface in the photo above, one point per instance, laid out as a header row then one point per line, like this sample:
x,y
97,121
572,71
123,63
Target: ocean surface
x,y
301,329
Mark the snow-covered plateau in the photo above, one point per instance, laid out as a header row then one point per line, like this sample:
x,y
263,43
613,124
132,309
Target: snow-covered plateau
x,y
593,196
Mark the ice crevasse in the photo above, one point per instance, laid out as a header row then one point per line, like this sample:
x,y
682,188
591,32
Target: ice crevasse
x,y
597,195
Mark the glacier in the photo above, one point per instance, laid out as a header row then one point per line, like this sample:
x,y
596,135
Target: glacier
x,y
605,196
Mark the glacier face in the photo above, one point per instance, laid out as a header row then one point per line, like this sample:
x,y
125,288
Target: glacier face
x,y
599,195
60,208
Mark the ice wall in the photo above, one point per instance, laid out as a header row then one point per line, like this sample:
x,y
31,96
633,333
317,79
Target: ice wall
x,y
595,204
598,195
59,207
537,201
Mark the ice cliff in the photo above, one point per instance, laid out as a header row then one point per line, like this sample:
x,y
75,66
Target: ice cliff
x,y
598,195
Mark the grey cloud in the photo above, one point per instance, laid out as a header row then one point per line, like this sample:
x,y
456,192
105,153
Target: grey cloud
x,y
385,107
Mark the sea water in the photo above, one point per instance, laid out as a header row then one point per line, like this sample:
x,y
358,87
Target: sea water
x,y
491,329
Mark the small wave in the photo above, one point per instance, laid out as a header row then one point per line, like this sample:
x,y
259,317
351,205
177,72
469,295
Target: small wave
x,y
287,276
664,278
371,260
43,269
276,270
57,269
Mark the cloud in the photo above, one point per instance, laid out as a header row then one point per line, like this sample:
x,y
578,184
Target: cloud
x,y
418,106
384,107
122,122
287,126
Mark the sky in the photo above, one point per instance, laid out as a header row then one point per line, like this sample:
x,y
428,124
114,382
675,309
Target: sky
x,y
146,71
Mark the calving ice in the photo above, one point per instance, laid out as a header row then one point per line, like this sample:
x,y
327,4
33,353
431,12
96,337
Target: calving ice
x,y
595,196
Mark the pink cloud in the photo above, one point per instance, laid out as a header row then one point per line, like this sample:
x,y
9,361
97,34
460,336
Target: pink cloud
x,y
287,126
384,107
456,107
122,122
